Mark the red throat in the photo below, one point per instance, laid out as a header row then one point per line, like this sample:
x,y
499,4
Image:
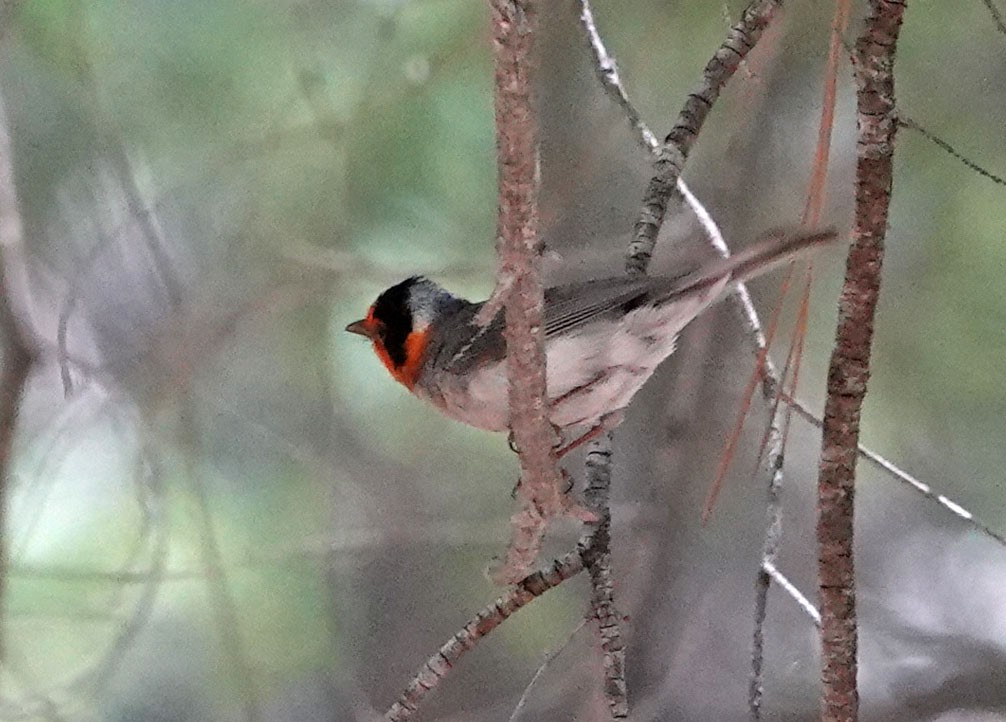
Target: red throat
x,y
408,373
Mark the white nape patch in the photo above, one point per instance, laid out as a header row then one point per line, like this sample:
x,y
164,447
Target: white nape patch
x,y
423,302
591,373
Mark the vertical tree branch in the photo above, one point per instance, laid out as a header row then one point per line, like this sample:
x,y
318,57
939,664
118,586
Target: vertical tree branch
x,y
596,553
542,493
670,158
850,362
17,355
779,425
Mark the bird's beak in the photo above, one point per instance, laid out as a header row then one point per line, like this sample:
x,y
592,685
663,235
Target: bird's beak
x,y
359,328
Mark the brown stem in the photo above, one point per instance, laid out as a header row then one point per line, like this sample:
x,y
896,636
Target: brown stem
x,y
849,370
542,489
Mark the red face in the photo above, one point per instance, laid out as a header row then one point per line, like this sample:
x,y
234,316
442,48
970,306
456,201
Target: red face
x,y
403,358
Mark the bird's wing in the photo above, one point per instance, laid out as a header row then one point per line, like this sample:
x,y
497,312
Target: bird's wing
x,y
570,307
567,308
461,346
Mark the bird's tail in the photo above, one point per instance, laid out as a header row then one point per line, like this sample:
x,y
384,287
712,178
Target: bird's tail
x,y
771,250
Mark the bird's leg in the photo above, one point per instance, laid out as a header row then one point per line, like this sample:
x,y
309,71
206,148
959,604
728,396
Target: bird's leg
x,y
560,450
565,474
576,443
606,423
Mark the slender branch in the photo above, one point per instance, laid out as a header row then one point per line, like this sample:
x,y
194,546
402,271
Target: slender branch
x,y
905,122
849,369
444,659
606,70
155,540
542,488
793,591
591,553
611,82
779,423
546,663
667,182
997,17
597,558
914,483
678,144
115,151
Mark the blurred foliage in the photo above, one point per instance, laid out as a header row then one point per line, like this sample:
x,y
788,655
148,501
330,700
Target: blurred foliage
x,y
233,510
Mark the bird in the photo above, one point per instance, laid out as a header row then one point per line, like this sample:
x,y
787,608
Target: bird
x,y
604,338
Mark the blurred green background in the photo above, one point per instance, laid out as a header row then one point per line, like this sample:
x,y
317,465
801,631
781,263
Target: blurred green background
x,y
223,508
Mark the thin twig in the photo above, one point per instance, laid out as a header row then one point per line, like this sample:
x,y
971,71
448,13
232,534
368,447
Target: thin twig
x,y
791,589
891,469
539,673
996,15
115,151
670,163
849,369
612,83
592,545
779,424
606,70
444,659
599,457
30,702
79,275
153,509
905,122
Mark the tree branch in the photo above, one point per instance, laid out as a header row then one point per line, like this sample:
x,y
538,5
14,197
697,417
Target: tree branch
x,y
596,553
850,362
542,489
670,159
678,144
443,660
606,70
